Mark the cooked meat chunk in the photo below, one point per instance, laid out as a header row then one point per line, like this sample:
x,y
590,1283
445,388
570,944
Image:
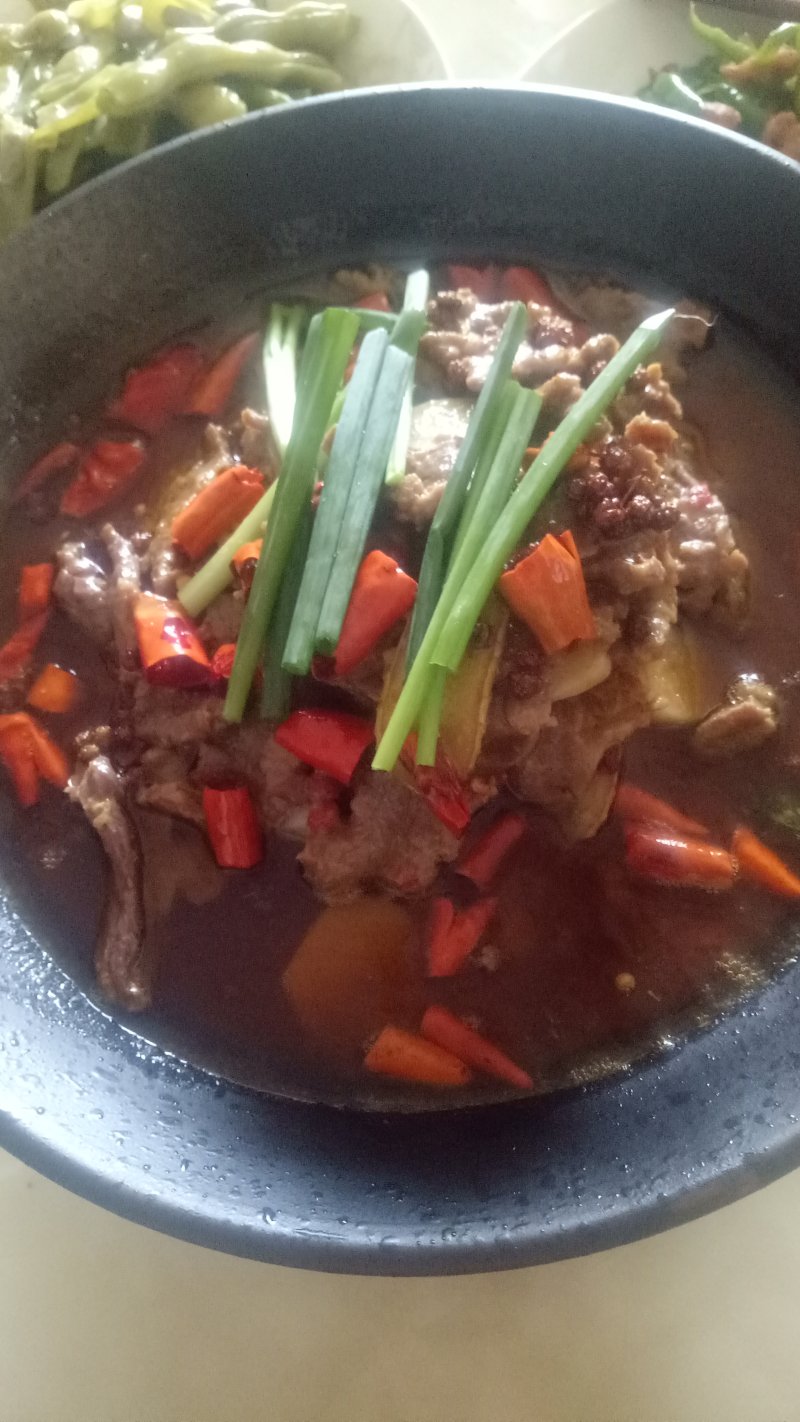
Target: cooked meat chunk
x,y
748,716
437,429
713,572
163,717
81,587
164,561
222,620
607,306
255,440
283,787
123,585
571,770
162,782
120,959
367,849
465,334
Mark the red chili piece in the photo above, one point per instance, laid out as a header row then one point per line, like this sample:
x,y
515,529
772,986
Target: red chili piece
x,y
35,586
211,394
483,860
681,863
448,1031
152,393
382,594
105,472
171,651
233,827
331,741
60,457
450,945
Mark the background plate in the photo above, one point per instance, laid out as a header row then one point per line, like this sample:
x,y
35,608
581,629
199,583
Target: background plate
x,y
614,48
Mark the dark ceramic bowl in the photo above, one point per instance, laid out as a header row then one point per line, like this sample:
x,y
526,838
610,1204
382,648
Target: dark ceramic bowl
x,y
112,271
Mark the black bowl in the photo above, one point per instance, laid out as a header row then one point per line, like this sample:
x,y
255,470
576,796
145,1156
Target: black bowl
x,y
104,276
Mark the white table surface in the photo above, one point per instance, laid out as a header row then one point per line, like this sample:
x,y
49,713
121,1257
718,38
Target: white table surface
x,y
103,1321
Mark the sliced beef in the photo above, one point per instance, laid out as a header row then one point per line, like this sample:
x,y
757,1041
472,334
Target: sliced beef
x,y
123,972
437,429
122,586
164,561
465,333
748,717
81,588
390,841
713,572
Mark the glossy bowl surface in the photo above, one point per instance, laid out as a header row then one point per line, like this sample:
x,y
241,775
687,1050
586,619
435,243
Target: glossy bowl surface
x,y
415,173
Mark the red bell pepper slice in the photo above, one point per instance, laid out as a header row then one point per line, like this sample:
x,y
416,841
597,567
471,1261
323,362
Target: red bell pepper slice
x,y
57,459
212,392
547,591
35,586
16,653
382,594
664,858
106,472
407,1057
483,860
637,806
171,651
233,827
448,1031
331,741
154,392
449,946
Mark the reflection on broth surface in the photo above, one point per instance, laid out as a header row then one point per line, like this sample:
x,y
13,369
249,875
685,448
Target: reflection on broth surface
x,y
603,932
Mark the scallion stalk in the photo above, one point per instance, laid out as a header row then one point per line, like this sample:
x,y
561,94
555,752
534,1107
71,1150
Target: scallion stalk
x,y
276,688
327,350
280,369
502,536
339,474
415,298
445,521
367,482
422,676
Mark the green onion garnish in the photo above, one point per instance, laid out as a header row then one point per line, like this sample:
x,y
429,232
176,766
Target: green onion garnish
x,y
301,641
486,545
446,519
327,350
415,298
366,485
502,536
280,369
